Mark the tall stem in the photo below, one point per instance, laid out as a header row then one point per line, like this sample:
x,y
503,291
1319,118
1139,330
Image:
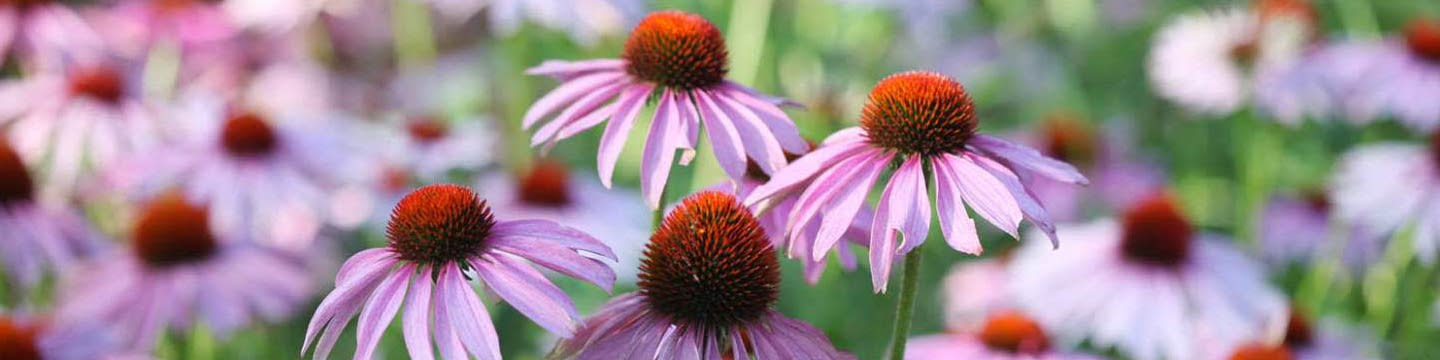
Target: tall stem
x,y
905,308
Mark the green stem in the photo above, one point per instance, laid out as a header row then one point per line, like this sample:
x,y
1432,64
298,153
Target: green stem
x,y
414,42
905,308
748,32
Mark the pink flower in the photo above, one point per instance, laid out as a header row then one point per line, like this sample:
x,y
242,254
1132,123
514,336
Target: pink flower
x,y
1120,177
1383,188
915,119
45,32
440,236
30,338
975,290
1148,285
1303,341
1300,228
1005,335
706,285
683,58
35,239
1397,77
179,272
133,27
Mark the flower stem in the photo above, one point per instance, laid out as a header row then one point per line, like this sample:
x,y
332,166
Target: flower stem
x,y
905,307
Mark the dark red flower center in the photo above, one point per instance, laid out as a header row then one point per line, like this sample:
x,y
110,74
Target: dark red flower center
x,y
1423,37
1317,200
1297,332
919,113
1068,138
678,50
1156,233
395,179
438,224
247,134
18,342
1244,53
1011,332
171,231
427,129
24,3
15,183
1261,352
101,83
546,184
710,264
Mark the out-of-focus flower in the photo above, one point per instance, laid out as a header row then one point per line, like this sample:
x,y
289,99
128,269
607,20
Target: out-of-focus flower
x,y
437,234
706,284
547,191
78,120
1397,77
914,118
1383,188
133,27
35,239
31,338
179,272
45,31
1120,176
265,176
1302,341
585,20
975,290
1006,335
682,57
1149,285
1208,62
1299,229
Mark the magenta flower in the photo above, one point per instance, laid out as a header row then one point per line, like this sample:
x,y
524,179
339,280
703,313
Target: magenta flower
x,y
706,284
132,27
45,32
915,119
35,239
440,236
178,272
1005,335
683,57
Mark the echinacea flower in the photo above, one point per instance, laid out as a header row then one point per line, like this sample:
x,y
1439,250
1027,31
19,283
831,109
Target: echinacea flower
x,y
1395,77
707,284
1120,175
1149,285
265,176
680,59
179,272
78,120
1381,189
440,236
1005,335
35,239
975,290
914,119
1301,228
546,190
775,220
1303,341
134,27
1208,62
45,31
36,338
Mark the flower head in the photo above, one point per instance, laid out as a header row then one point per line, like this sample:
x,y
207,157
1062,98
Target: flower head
x,y
1423,37
439,236
707,284
1380,189
925,122
676,50
1156,234
36,338
1005,335
38,239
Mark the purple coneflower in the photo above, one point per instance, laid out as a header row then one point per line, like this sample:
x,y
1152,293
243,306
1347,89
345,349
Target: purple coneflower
x,y
548,191
707,283
1302,341
43,30
178,272
35,239
134,26
440,236
265,176
915,119
683,58
421,149
80,118
1150,286
1300,228
975,290
1005,335
1381,189
25,338
1396,77
775,220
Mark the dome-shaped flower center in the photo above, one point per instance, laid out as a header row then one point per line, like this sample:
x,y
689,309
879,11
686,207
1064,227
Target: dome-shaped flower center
x,y
171,231
439,223
101,83
1261,352
547,184
1423,37
1067,138
427,129
18,342
15,184
1012,332
246,134
919,113
1156,233
678,50
710,264
1297,332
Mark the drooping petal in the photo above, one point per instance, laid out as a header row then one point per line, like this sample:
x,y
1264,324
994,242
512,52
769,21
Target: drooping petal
x,y
830,182
560,259
613,140
729,150
468,318
1021,157
986,195
688,132
529,292
577,111
955,222
363,257
1028,205
804,168
380,310
345,299
761,145
846,135
416,320
570,69
518,232
849,196
914,221
775,119
659,154
882,239
568,92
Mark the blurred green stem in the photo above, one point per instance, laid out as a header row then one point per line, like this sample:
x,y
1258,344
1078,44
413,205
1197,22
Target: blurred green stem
x,y
414,42
749,21
905,307
200,345
1358,18
1254,158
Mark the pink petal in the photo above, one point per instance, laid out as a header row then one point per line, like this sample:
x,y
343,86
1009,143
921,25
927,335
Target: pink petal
x,y
846,135
345,299
910,213
528,292
416,321
630,95
380,310
568,92
955,222
570,69
985,194
1029,159
802,169
833,180
363,257
562,260
729,150
549,231
659,153
761,145
1028,205
577,111
775,119
471,322
882,238
613,140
